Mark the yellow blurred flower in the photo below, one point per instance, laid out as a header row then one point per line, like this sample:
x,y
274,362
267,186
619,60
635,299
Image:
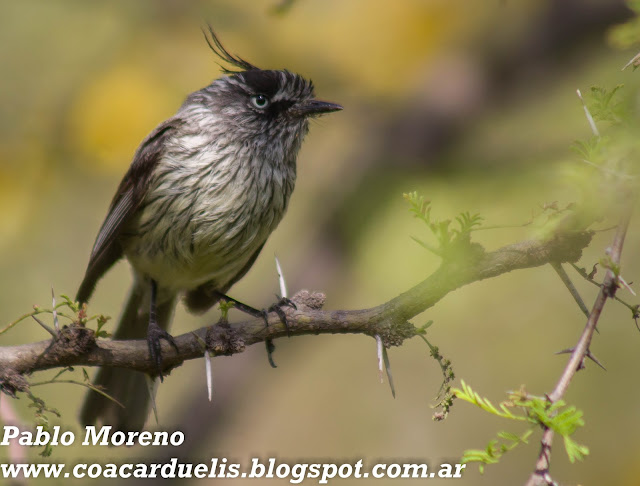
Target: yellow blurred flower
x,y
114,112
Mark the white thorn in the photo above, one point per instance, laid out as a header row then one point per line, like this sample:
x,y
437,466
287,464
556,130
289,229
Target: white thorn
x,y
207,369
634,60
56,323
380,358
590,119
625,284
283,284
152,388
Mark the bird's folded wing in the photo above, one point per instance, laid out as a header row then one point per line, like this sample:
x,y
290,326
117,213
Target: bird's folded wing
x,y
106,249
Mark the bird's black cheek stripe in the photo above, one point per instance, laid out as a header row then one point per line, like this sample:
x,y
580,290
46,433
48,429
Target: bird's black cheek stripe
x,y
278,107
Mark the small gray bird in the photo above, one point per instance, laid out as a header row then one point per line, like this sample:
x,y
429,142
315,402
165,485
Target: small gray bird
x,y
204,191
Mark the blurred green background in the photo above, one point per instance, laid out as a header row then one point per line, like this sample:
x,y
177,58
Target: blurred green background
x,y
470,103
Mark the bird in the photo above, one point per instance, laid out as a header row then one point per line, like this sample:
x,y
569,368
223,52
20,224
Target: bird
x,y
204,191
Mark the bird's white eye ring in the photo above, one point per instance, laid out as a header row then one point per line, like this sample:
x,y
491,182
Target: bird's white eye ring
x,y
260,101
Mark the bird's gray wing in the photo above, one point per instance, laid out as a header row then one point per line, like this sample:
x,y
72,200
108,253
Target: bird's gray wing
x,y
107,249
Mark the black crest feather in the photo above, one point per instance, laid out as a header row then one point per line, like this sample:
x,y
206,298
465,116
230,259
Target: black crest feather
x,y
218,49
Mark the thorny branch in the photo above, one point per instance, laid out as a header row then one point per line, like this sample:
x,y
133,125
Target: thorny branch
x,y
77,346
608,289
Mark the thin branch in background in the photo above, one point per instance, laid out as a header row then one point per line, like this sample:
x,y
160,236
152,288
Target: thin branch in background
x,y
541,475
612,281
572,289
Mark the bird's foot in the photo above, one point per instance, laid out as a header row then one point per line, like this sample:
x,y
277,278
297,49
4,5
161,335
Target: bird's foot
x,y
154,334
264,313
277,308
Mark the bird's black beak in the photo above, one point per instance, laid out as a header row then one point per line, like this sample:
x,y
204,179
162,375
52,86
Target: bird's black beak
x,y
314,108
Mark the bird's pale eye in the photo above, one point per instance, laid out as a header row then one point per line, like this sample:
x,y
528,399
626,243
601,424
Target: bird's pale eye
x,y
260,101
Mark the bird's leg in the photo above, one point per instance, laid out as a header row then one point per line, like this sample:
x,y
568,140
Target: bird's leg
x,y
264,313
155,333
247,309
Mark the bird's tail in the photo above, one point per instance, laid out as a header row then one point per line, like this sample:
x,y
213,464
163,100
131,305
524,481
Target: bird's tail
x,y
127,386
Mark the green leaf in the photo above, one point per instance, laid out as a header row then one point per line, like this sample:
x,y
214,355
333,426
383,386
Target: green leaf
x,y
495,449
562,419
468,395
448,239
575,451
604,105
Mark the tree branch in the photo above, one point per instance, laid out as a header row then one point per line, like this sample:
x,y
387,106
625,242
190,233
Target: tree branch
x,y
607,291
77,346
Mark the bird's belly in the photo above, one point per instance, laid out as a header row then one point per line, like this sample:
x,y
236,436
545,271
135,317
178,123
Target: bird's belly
x,y
202,236
180,274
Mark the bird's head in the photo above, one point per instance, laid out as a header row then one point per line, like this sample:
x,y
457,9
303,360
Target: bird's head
x,y
273,103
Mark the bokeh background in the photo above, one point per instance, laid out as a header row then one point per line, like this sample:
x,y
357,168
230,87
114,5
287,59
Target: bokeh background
x,y
470,103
